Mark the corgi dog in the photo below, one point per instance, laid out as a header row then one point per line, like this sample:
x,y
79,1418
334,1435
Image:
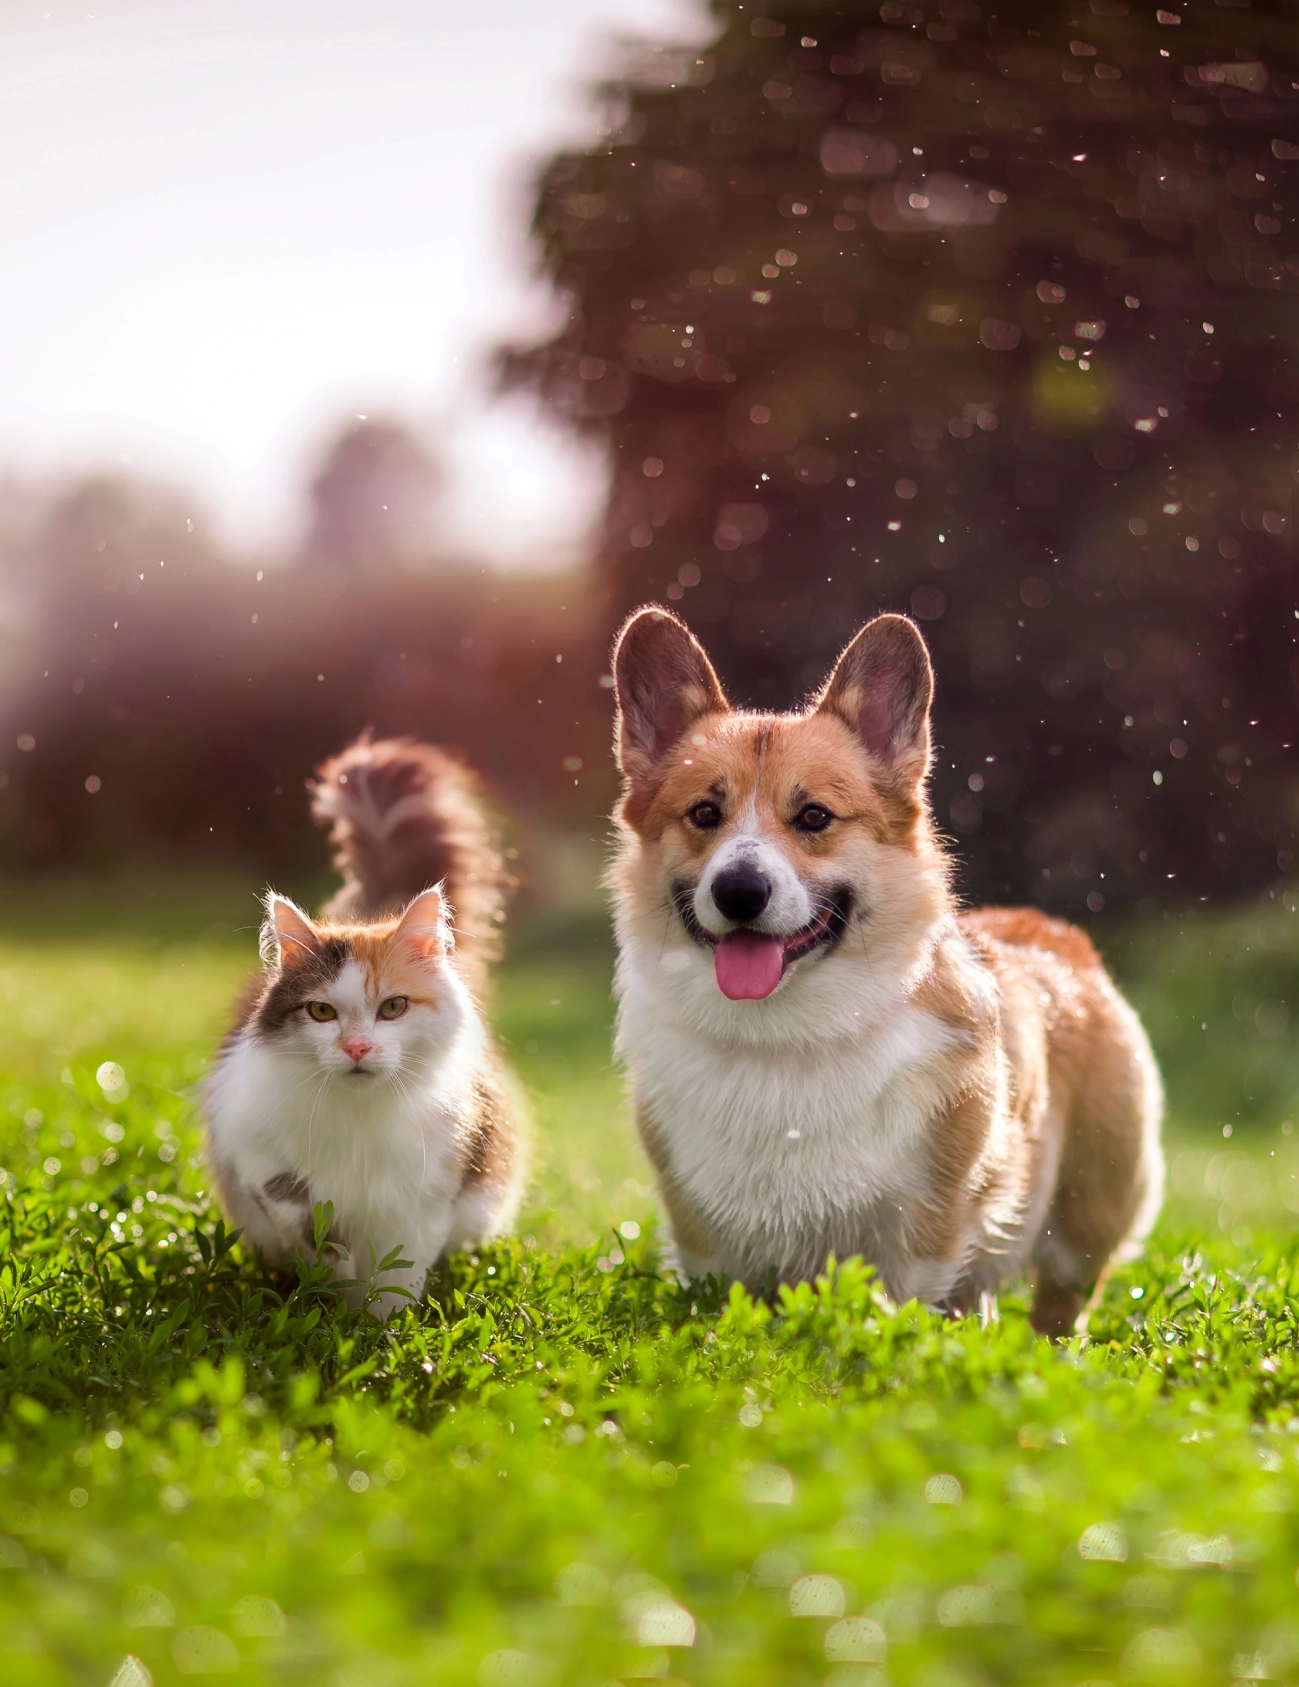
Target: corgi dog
x,y
827,1056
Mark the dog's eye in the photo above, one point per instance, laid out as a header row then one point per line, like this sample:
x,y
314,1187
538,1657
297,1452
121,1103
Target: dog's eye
x,y
813,818
394,1007
705,815
322,1011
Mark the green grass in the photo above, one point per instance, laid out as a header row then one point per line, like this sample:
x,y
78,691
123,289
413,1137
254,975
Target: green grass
x,y
564,1466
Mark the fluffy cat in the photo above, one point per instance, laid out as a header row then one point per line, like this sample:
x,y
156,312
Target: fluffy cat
x,y
359,1070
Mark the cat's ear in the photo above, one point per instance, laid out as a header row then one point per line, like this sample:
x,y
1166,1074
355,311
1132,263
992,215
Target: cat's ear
x,y
288,936
424,927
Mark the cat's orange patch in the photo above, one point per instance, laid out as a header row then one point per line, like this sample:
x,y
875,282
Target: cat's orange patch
x,y
392,963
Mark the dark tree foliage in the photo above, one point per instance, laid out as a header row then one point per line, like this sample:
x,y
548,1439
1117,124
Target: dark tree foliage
x,y
989,312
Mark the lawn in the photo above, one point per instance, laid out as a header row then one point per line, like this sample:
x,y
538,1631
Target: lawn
x,y
565,1469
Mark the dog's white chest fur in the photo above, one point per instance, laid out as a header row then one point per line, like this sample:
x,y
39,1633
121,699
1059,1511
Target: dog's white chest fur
x,y
786,1153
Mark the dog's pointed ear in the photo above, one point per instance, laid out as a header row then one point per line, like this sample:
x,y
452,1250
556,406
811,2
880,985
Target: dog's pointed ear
x,y
662,682
882,687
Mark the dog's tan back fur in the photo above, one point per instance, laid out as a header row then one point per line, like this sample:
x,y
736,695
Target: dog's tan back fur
x,y
956,1096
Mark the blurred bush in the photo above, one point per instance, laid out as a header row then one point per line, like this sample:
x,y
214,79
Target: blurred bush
x,y
162,699
1218,993
988,314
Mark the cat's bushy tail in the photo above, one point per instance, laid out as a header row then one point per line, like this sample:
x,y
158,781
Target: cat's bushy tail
x,y
403,816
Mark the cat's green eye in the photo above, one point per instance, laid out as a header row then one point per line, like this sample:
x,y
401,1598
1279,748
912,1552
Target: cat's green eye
x,y
394,1007
322,1012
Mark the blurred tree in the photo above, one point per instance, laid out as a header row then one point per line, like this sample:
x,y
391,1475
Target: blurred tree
x,y
103,534
988,312
374,501
159,701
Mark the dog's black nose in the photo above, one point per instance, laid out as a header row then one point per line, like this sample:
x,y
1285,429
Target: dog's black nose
x,y
741,892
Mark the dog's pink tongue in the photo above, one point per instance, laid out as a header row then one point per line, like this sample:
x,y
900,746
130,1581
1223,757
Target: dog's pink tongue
x,y
749,965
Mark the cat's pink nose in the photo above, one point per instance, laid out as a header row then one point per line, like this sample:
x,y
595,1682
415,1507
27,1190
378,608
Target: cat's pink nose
x,y
356,1048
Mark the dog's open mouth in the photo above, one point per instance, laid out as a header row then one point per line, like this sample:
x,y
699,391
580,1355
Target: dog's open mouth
x,y
750,964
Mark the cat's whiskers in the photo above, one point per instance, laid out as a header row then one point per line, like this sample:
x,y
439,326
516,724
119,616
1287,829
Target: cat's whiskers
x,y
326,1078
406,1089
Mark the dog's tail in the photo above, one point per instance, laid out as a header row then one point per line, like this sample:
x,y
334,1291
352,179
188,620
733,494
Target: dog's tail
x,y
403,816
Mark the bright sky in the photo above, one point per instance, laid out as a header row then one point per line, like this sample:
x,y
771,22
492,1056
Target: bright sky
x,y
227,224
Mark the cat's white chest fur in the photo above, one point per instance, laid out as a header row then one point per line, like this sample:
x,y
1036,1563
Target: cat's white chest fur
x,y
783,1150
387,1156
360,1143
